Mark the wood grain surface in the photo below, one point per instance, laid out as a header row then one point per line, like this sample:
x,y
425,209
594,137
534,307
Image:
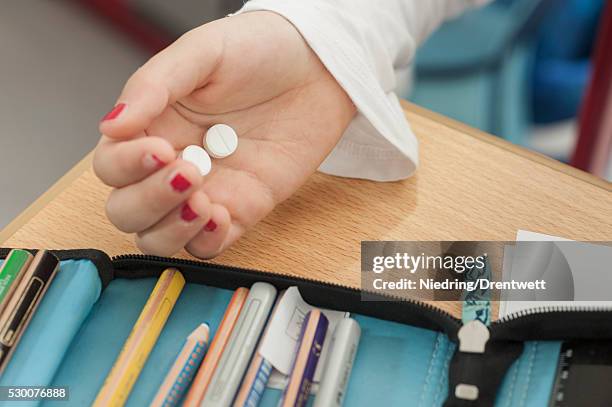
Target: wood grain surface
x,y
469,186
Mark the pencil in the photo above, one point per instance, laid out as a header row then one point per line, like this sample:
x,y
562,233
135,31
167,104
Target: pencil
x,y
23,303
203,377
142,338
13,268
305,361
183,370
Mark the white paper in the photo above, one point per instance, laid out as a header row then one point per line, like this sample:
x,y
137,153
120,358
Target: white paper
x,y
583,286
527,236
280,343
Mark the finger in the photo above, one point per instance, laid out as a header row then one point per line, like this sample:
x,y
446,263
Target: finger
x,y
170,75
173,232
139,206
210,241
121,163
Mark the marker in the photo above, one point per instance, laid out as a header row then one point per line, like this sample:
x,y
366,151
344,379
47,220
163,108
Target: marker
x,y
139,344
339,365
198,157
13,268
183,370
220,141
203,377
306,359
241,345
258,374
23,303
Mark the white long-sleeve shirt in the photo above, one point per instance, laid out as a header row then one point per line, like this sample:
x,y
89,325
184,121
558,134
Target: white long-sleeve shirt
x,y
368,46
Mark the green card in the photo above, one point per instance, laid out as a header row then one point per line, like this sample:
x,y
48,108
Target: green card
x,y
16,261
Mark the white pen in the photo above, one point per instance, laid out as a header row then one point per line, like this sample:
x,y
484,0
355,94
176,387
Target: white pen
x,y
241,345
337,369
257,375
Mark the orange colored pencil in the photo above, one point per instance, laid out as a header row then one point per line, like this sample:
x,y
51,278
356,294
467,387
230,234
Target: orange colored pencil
x,y
207,369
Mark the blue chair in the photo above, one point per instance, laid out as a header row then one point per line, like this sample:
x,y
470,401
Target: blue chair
x,y
563,59
477,68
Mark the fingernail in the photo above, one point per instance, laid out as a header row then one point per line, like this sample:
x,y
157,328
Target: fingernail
x,y
210,226
113,114
180,183
151,161
188,214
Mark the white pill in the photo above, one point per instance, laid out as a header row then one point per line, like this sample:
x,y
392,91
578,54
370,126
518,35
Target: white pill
x,y
197,156
220,141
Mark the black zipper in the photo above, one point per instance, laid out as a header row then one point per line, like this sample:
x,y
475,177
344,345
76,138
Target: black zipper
x,y
533,312
505,328
108,265
450,324
530,324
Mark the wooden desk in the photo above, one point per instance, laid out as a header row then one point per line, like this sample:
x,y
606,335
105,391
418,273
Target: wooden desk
x,y
470,186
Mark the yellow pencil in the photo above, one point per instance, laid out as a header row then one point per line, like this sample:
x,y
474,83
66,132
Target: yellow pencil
x,y
141,341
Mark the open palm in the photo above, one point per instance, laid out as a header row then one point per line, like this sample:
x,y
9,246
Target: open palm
x,y
253,72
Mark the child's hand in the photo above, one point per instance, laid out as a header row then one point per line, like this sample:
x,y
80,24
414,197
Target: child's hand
x,y
253,72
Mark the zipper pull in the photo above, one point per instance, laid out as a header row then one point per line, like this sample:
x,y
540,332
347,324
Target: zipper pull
x,y
473,337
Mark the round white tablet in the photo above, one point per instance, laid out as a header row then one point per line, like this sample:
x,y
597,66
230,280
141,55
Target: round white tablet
x,y
197,156
220,141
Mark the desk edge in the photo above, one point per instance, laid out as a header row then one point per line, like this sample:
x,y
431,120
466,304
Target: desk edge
x,y
50,194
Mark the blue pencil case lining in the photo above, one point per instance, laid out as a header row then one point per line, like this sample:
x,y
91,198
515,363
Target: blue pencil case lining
x,y
79,330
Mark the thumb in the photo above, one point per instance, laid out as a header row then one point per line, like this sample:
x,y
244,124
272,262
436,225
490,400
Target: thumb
x,y
170,75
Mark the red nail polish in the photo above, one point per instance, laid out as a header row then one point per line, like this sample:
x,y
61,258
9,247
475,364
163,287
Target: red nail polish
x,y
152,162
159,162
113,114
180,183
187,214
210,226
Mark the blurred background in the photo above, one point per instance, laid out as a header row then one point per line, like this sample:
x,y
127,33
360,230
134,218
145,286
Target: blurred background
x,y
531,71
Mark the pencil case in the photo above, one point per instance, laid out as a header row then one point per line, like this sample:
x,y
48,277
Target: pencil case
x,y
410,353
